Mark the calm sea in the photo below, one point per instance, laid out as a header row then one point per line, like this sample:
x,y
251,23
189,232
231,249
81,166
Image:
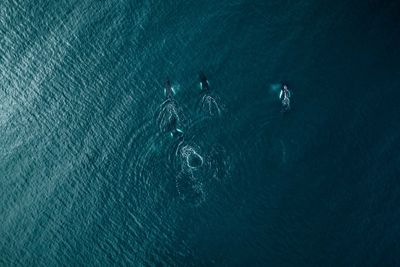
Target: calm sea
x,y
91,176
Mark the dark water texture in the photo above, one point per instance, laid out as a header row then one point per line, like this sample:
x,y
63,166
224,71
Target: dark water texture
x,y
89,175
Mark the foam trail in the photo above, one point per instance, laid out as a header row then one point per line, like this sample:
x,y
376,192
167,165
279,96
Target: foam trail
x,y
168,117
189,188
210,105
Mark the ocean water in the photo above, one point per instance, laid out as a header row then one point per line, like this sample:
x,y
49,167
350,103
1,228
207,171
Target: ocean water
x,y
91,176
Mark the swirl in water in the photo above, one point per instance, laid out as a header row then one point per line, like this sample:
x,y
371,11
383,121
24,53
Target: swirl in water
x,y
189,181
192,158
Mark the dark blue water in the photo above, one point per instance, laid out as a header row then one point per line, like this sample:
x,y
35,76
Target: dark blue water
x,y
89,172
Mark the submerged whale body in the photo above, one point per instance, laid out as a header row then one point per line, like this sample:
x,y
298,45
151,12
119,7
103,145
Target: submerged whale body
x,y
168,91
203,81
168,118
